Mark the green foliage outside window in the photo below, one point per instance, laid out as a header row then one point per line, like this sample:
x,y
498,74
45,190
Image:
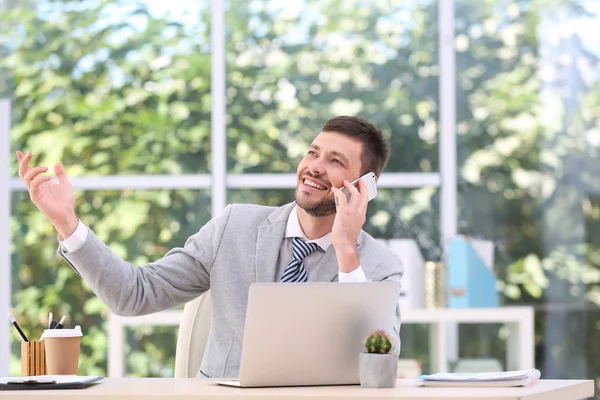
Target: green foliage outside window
x,y
109,87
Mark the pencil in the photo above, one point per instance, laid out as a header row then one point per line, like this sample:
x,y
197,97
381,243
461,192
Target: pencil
x,y
60,323
13,320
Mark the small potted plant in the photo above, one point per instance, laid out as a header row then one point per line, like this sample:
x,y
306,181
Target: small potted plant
x,y
378,365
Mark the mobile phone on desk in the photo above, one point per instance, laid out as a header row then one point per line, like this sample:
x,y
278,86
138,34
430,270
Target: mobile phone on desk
x,y
369,179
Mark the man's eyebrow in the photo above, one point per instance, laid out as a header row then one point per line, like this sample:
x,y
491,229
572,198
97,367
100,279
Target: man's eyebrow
x,y
333,153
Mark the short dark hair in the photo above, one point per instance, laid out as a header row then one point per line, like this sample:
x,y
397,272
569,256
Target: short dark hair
x,y
375,151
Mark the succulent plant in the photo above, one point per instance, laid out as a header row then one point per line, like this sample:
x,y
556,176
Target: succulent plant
x,y
378,342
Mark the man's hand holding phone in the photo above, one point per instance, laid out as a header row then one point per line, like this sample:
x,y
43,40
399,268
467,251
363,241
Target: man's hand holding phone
x,y
350,217
370,180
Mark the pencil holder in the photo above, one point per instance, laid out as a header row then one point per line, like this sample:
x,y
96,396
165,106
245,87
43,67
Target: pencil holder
x,y
33,359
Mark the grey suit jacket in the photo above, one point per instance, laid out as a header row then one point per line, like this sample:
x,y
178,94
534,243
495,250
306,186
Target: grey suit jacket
x,y
227,255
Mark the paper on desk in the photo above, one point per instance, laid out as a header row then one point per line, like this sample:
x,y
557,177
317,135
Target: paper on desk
x,y
484,379
55,378
481,376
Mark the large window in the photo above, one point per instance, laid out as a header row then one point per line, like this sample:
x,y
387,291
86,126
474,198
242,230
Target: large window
x,y
107,88
292,65
528,108
115,87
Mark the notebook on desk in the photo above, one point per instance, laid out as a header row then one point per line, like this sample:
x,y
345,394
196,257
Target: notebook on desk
x,y
44,382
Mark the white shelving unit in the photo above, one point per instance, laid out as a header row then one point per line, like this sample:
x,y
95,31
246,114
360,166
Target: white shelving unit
x,y
520,349
519,320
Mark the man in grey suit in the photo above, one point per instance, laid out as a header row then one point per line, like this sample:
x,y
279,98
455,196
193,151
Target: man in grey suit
x,y
312,239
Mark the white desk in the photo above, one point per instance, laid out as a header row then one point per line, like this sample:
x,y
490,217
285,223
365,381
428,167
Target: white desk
x,y
519,320
167,388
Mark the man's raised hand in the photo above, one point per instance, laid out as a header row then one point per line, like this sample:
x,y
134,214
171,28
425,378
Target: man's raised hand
x,y
55,200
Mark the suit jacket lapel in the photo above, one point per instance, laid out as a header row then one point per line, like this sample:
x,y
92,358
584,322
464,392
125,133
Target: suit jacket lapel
x,y
268,243
327,268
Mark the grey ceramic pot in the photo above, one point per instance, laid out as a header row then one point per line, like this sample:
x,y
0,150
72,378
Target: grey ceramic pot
x,y
377,370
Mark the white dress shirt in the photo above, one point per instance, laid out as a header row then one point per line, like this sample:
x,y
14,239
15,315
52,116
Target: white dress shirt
x,y
292,229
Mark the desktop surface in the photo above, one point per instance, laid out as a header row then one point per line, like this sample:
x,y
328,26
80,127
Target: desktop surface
x,y
406,389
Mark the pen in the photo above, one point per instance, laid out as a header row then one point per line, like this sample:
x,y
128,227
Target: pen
x,y
60,323
49,320
13,320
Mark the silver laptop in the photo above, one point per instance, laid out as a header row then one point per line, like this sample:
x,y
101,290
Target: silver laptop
x,y
305,334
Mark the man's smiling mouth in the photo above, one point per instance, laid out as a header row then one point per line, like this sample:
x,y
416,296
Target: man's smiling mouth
x,y
314,184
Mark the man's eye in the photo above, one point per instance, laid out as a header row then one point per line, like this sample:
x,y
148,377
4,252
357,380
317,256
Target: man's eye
x,y
335,160
311,153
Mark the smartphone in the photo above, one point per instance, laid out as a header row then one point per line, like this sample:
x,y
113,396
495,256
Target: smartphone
x,y
369,179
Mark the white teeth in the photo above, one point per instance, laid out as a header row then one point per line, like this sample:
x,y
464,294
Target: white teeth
x,y
313,184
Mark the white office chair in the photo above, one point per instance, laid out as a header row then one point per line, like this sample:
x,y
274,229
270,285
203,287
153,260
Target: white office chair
x,y
192,336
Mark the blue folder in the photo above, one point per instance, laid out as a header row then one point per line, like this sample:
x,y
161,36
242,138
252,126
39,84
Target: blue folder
x,y
469,282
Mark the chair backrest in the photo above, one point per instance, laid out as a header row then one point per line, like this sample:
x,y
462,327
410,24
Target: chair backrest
x,y
193,335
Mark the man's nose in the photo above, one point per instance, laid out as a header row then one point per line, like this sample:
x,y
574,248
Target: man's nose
x,y
316,167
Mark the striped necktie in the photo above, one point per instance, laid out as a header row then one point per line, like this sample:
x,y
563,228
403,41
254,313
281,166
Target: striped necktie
x,y
295,271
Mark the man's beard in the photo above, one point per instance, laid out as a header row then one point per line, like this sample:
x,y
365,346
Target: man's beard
x,y
321,208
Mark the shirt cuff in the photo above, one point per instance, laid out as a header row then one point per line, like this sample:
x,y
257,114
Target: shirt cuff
x,y
76,240
358,275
